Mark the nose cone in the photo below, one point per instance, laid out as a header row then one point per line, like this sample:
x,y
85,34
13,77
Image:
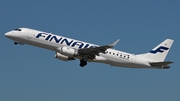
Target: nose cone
x,y
8,34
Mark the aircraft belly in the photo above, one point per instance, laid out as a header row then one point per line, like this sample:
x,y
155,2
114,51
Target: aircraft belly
x,y
99,59
115,61
124,63
42,44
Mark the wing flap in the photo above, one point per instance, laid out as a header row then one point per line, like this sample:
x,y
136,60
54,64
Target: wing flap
x,y
96,50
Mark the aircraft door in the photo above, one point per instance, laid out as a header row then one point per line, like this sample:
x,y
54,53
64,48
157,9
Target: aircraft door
x,y
30,33
133,59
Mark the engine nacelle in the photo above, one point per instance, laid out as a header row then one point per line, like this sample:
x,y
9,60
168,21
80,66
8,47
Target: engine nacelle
x,y
67,51
63,57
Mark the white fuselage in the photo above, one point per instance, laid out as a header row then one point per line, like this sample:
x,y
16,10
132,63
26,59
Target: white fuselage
x,y
52,42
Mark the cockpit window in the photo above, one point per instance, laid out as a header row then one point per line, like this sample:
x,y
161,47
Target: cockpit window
x,y
18,29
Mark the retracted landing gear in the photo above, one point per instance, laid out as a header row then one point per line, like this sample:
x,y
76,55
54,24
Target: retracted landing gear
x,y
83,63
16,42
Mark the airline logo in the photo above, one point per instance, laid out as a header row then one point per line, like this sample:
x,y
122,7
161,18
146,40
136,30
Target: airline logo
x,y
161,49
64,41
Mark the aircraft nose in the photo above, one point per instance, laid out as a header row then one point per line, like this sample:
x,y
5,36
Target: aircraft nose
x,y
8,34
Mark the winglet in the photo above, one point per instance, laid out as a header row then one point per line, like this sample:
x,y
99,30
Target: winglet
x,y
113,44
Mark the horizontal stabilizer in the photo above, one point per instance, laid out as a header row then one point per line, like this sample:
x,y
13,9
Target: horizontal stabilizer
x,y
161,64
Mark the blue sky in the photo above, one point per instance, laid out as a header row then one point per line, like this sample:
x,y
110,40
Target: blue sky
x,y
29,73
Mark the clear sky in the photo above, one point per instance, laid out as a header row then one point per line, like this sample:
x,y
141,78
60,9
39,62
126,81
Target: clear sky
x,y
29,73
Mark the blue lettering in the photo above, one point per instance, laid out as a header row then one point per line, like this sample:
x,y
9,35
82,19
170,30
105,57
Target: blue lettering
x,y
41,34
67,42
91,47
56,39
48,37
86,46
80,44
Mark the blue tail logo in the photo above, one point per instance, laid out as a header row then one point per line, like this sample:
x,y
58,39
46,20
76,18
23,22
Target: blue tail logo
x,y
160,49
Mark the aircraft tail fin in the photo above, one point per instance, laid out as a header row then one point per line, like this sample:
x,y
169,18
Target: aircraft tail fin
x,y
160,52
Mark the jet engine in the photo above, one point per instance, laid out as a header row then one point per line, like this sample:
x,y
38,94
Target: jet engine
x,y
67,51
63,57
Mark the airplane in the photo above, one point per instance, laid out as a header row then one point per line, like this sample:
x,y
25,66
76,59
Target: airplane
x,y
67,49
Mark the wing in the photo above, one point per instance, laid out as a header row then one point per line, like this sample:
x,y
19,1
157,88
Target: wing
x,y
91,52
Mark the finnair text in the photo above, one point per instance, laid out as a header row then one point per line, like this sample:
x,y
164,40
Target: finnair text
x,y
64,41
